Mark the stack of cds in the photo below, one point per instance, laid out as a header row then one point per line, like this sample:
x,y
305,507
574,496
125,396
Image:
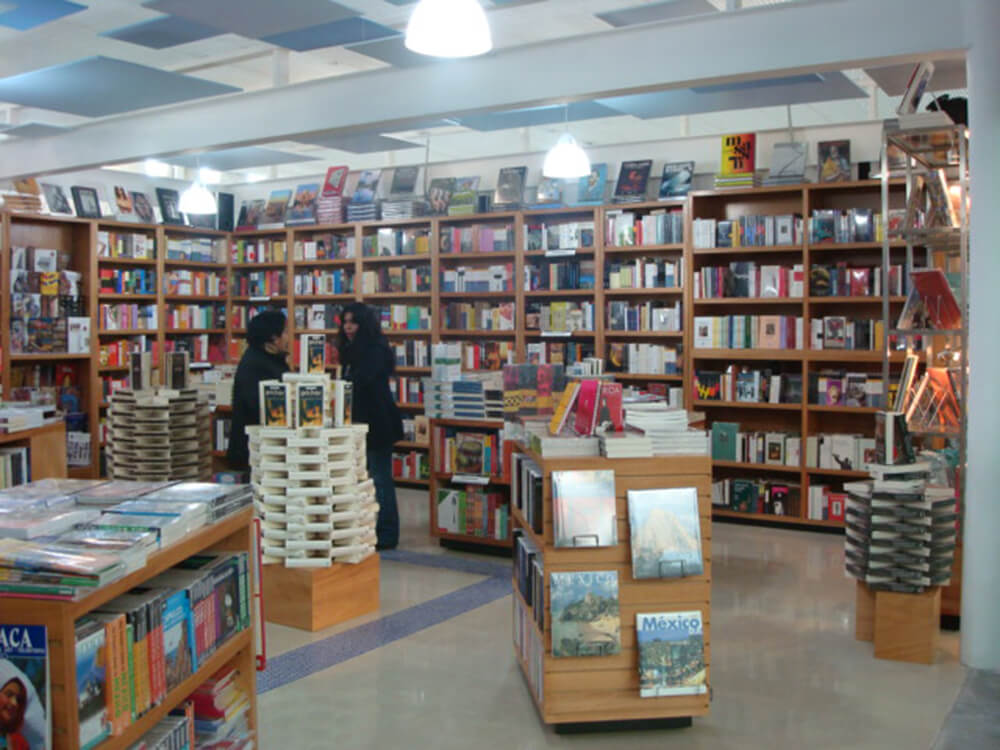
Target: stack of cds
x,y
901,533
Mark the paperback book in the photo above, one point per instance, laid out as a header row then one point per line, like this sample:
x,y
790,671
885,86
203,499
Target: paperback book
x,y
24,672
583,506
585,613
302,209
632,181
665,530
590,190
510,187
671,654
275,404
676,181
311,400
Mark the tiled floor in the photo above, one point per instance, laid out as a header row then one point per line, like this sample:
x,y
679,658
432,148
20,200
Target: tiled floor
x,y
434,668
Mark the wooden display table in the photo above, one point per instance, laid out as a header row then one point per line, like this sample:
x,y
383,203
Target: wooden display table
x,y
903,627
46,449
316,598
578,692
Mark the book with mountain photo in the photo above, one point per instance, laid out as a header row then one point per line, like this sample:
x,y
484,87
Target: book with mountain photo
x,y
583,508
671,654
665,530
585,613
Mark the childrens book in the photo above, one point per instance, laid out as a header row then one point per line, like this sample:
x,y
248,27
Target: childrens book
x,y
302,209
665,529
739,152
275,404
91,681
671,654
311,403
676,181
590,190
583,508
24,657
585,613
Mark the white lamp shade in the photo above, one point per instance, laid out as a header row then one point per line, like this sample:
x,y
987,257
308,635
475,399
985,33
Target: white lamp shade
x,y
449,28
197,200
566,159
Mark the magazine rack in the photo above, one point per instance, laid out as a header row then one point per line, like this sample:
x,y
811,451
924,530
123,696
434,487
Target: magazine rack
x,y
234,533
581,693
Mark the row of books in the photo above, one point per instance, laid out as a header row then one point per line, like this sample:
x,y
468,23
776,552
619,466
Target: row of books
x,y
560,316
479,238
411,353
486,355
44,335
557,352
316,317
638,358
396,279
15,468
258,250
755,446
839,388
259,283
116,353
63,284
565,235
480,316
477,396
757,496
197,250
747,231
840,332
119,317
532,389
853,225
743,279
841,452
388,242
824,503
180,317
745,384
410,465
566,274
320,281
125,245
240,315
839,280
529,574
406,389
404,317
325,247
659,227
494,278
644,273
223,426
644,316
461,451
184,282
126,281
748,332
417,429
473,511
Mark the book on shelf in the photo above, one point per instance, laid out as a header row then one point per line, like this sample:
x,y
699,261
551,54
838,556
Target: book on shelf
x,y
549,193
665,533
748,332
658,227
788,164
633,178
936,298
834,161
509,194
473,512
668,428
463,199
439,195
747,231
585,613
671,654
24,660
756,496
583,508
746,279
590,188
676,179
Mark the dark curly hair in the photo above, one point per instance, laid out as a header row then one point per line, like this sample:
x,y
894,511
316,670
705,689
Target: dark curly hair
x,y
369,335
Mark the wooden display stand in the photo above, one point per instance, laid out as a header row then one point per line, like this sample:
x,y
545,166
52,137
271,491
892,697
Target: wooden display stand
x,y
586,691
316,598
903,627
234,533
46,449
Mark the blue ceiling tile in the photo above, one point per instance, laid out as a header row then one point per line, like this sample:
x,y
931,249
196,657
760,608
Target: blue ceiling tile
x,y
653,12
746,85
31,13
357,143
101,86
344,31
33,130
160,33
255,18
519,118
229,159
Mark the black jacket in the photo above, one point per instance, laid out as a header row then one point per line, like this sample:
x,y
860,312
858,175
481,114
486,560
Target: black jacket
x,y
369,369
255,366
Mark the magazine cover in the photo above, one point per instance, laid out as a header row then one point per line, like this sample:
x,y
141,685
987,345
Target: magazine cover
x,y
671,654
24,687
302,209
583,506
591,188
585,614
676,181
665,530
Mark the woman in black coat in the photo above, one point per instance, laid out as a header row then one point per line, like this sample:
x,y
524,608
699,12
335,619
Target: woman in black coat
x,y
368,362
265,359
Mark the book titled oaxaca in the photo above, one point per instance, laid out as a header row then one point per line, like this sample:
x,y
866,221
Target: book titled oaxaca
x,y
671,654
24,688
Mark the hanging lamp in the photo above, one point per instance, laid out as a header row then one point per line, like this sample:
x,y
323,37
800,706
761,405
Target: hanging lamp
x,y
566,160
449,28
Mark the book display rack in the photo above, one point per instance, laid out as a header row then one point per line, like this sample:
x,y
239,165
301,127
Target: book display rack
x,y
577,680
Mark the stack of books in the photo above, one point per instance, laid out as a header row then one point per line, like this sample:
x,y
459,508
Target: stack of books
x,y
667,429
474,396
362,211
626,445
737,181
403,209
221,709
217,500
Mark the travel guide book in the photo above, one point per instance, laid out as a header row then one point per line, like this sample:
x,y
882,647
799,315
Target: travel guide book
x,y
665,529
24,660
671,654
583,505
585,613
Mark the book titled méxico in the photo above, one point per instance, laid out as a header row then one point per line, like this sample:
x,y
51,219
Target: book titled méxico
x,y
671,654
24,687
666,533
585,613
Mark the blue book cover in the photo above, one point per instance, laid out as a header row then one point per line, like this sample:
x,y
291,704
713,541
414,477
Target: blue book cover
x,y
91,682
24,682
591,188
671,654
178,638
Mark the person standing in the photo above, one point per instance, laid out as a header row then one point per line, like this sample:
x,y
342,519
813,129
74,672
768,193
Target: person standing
x,y
265,359
367,363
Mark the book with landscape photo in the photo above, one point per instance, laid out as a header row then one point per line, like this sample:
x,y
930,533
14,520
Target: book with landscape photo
x,y
665,531
671,654
583,508
585,613
274,210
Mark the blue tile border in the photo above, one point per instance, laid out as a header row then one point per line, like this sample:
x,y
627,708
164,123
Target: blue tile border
x,y
315,657
449,562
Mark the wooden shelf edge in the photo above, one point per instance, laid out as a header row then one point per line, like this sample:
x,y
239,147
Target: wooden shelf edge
x,y
469,539
778,468
771,518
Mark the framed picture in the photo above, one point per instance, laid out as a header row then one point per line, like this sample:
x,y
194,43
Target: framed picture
x,y
169,205
55,196
834,160
143,208
88,205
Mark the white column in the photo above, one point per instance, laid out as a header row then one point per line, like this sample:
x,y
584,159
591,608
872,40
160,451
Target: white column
x,y
981,562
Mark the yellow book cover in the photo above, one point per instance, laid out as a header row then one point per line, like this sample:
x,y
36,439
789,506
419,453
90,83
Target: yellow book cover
x,y
738,154
563,407
423,245
280,253
50,283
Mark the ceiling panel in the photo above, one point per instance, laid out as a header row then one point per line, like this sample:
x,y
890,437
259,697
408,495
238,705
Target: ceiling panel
x,y
536,116
100,86
394,52
344,31
255,18
160,33
358,143
236,158
33,130
653,12
31,13
948,75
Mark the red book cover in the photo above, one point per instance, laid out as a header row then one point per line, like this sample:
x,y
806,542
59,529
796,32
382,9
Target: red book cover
x,y
859,278
611,405
936,294
586,407
335,179
835,503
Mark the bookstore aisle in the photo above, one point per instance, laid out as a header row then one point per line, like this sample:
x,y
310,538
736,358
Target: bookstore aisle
x,y
434,667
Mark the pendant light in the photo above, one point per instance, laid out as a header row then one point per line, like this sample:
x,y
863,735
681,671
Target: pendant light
x,y
449,28
566,160
197,199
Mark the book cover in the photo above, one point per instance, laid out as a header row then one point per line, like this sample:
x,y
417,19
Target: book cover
x,y
676,180
333,185
788,161
739,152
439,195
463,199
665,530
671,654
178,364
302,209
274,209
590,189
724,436
78,335
312,354
56,199
611,406
311,402
510,186
549,192
404,181
24,675
250,213
275,404
91,681
585,613
633,179
834,160
564,408
169,200
586,407
937,298
583,508
367,187
470,451
178,637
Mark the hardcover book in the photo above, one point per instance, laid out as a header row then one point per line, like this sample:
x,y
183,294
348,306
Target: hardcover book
x,y
56,199
143,207
739,152
24,658
583,508
333,185
724,436
275,404
671,654
302,209
274,210
510,186
676,181
590,189
311,398
665,529
367,187
250,213
549,192
439,195
404,181
633,179
834,160
585,614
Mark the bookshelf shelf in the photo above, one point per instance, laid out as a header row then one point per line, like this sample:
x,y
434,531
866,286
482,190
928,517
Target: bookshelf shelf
x,y
747,405
410,406
816,471
377,259
766,250
821,247
858,300
771,518
149,262
48,357
535,293
779,468
649,292
643,334
392,332
845,355
477,295
112,368
749,354
499,255
470,539
475,332
307,298
395,295
631,249
754,301
447,477
556,255
252,266
407,370
556,335
416,481
127,332
183,298
193,331
194,264
648,376
125,297
324,263
842,409
256,298
411,445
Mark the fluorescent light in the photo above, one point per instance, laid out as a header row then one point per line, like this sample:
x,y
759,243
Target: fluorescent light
x,y
156,168
566,159
449,28
197,200
208,176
